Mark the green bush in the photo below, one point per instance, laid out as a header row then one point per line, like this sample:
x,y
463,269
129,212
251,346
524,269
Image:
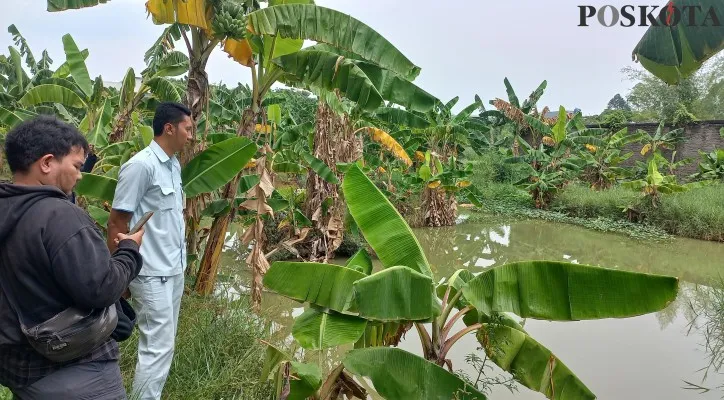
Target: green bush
x,y
491,167
682,116
581,201
698,213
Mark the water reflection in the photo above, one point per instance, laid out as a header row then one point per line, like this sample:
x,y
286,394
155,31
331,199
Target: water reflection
x,y
647,357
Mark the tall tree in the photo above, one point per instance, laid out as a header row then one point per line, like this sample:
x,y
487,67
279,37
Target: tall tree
x,y
618,103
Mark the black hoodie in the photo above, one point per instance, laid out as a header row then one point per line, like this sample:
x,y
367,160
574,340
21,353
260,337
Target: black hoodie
x,y
53,256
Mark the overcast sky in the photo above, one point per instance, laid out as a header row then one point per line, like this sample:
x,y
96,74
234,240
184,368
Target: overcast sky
x,y
464,47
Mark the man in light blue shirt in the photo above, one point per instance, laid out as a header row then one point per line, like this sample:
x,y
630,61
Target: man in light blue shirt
x,y
151,181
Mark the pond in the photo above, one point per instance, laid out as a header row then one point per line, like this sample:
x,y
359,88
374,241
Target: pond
x,y
646,357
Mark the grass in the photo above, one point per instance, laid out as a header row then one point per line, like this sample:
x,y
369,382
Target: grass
x,y
706,306
581,201
698,213
217,356
579,206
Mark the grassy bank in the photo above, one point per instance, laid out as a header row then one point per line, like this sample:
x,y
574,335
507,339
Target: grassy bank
x,y
698,213
218,354
494,178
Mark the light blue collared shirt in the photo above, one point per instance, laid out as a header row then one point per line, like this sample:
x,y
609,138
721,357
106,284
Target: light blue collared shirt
x,y
151,181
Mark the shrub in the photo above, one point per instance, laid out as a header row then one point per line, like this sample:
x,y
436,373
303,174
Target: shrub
x,y
581,201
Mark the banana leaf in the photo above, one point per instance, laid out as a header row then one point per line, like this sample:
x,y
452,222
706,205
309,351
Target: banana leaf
x,y
381,224
531,363
97,186
561,291
315,330
9,118
396,89
128,89
62,5
676,52
99,215
324,285
324,25
396,294
320,168
399,375
217,165
360,261
165,90
98,136
76,62
401,117
329,71
456,281
51,94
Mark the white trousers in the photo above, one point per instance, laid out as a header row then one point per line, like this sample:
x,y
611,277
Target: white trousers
x,y
157,301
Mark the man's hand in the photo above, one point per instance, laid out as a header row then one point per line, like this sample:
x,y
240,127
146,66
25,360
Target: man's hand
x,y
136,237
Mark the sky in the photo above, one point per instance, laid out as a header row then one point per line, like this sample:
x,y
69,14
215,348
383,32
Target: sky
x,y
464,47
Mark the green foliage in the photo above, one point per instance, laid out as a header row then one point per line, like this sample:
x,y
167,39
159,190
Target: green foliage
x,y
711,166
599,223
581,201
490,167
615,119
618,103
697,213
682,116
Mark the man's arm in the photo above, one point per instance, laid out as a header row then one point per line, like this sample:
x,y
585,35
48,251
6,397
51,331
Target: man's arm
x,y
117,223
88,272
134,179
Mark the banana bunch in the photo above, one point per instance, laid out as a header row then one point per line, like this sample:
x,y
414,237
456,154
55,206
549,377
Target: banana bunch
x,y
229,21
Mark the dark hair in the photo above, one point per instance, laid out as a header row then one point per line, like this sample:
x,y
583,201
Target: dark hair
x,y
32,139
168,113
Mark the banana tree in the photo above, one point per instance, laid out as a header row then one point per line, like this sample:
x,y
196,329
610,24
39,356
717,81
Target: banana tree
x,y
524,118
655,183
673,53
444,135
272,51
354,304
711,166
603,162
67,91
557,159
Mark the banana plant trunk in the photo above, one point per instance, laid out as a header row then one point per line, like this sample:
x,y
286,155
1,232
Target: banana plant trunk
x,y
209,266
197,96
439,207
118,133
334,141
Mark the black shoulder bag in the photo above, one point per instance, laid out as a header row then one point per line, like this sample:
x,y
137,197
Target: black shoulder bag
x,y
70,334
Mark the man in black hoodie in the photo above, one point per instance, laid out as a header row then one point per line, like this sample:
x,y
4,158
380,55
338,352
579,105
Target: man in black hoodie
x,y
52,256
